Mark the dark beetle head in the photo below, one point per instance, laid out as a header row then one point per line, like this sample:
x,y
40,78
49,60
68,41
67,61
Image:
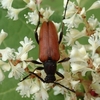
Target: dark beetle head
x,y
50,78
50,70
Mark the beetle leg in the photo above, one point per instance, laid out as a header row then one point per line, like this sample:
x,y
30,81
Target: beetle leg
x,y
33,61
39,68
59,74
64,60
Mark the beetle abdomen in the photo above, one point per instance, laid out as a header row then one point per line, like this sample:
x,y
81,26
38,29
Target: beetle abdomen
x,y
48,42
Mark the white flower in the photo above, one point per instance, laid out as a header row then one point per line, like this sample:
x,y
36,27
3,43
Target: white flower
x,y
27,44
96,82
74,34
73,16
32,17
80,67
94,41
41,94
73,21
46,14
71,10
93,22
83,12
78,1
20,55
5,66
78,54
58,90
96,60
57,25
24,88
35,86
29,87
26,47
7,53
16,71
6,4
70,97
74,83
31,4
79,58
13,13
95,5
3,35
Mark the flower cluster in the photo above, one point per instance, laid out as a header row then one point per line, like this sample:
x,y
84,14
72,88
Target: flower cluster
x,y
81,73
84,58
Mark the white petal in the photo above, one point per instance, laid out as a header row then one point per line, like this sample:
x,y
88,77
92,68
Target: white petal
x,y
35,88
1,76
31,4
74,83
6,4
78,67
6,67
95,5
78,1
3,35
44,94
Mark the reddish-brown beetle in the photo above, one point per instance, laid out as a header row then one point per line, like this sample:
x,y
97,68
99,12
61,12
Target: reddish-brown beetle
x,y
49,52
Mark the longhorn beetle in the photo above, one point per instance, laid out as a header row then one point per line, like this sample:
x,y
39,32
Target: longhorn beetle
x,y
49,51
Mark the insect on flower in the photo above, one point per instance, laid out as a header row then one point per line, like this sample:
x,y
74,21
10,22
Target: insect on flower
x,y
49,52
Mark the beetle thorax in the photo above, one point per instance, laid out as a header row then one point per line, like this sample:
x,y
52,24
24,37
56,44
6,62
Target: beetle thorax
x,y
50,70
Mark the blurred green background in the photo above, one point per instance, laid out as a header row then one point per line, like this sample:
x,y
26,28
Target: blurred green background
x,y
17,30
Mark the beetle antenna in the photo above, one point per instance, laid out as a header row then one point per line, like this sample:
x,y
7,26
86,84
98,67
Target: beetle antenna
x,y
38,23
37,76
30,73
65,9
64,14
61,34
25,77
64,87
33,74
